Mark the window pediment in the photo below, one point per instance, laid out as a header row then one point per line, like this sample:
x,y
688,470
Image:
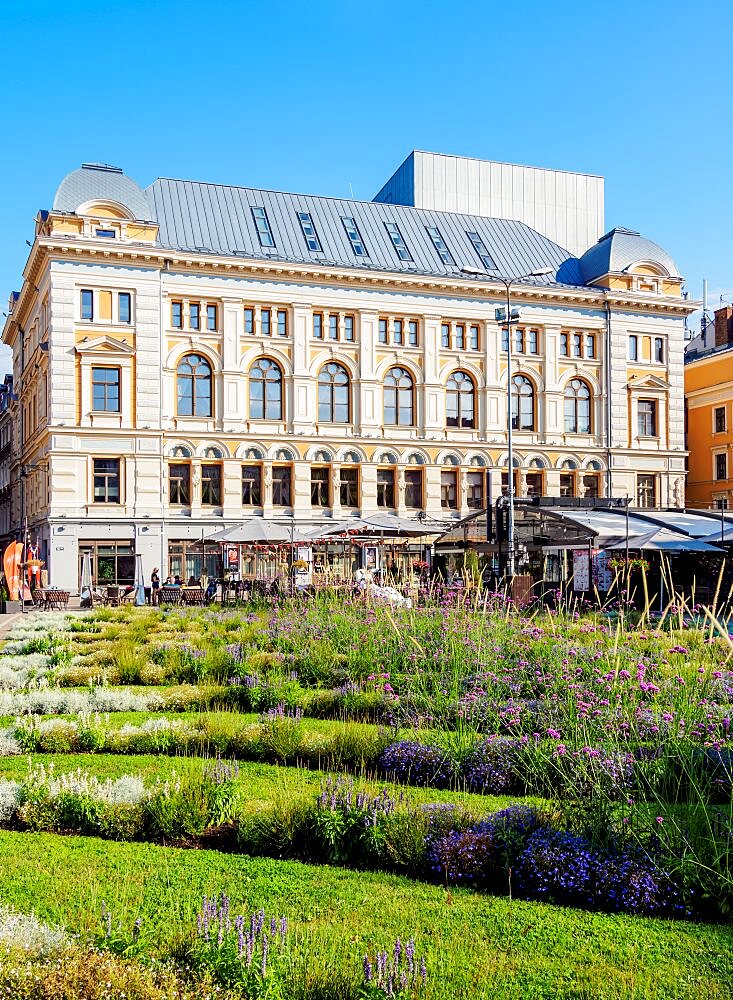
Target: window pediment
x,y
104,345
648,382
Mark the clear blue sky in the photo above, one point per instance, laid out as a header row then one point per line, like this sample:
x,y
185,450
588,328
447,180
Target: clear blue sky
x,y
329,96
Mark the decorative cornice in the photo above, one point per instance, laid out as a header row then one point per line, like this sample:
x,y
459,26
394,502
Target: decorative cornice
x,y
61,247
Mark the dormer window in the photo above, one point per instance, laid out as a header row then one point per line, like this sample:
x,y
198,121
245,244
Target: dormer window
x,y
106,234
262,224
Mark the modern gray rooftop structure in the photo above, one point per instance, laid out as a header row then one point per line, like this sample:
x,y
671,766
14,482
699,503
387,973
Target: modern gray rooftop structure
x,y
566,207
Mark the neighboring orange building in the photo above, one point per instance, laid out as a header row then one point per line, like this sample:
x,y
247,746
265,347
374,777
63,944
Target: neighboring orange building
x,y
709,410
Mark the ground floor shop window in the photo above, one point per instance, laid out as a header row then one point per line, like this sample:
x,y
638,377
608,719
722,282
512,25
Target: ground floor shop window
x,y
187,560
113,563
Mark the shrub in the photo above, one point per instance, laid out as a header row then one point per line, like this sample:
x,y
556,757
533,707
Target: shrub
x,y
492,767
464,857
416,764
558,867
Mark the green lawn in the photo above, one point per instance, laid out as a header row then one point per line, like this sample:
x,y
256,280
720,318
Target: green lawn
x,y
477,947
260,782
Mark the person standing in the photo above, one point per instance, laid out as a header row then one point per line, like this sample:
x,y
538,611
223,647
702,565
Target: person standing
x,y
154,585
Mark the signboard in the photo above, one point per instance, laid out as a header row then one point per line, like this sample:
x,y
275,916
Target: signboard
x,y
602,572
232,557
581,570
303,575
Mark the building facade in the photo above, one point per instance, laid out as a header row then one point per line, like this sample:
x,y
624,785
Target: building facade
x,y
709,412
192,355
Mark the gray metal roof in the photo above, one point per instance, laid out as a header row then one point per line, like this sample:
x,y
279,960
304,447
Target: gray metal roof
x,y
622,248
216,218
100,182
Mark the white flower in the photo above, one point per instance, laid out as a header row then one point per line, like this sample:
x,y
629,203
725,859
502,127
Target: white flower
x,y
10,799
27,932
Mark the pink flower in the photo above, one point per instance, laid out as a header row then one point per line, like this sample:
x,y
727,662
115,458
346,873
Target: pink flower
x,y
660,819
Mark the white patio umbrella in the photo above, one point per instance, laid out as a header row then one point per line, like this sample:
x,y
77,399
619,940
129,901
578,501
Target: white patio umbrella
x,y
139,581
85,588
256,531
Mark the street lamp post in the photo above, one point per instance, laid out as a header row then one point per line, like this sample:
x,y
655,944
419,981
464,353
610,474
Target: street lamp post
x,y
510,317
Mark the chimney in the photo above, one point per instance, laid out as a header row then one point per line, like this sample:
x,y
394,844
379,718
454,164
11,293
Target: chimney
x,y
723,326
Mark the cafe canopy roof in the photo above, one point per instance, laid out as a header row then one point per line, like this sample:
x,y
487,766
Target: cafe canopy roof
x,y
550,523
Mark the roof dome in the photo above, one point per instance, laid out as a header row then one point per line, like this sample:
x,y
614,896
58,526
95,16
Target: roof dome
x,y
101,182
621,250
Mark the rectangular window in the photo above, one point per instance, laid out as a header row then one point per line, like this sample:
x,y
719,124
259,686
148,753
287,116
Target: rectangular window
x,y
719,419
106,234
320,483
413,489
349,328
534,484
87,303
647,417
282,478
460,337
646,491
445,335
282,323
397,241
349,487
633,347
211,485
252,485
383,331
505,339
318,326
386,488
567,484
106,390
591,485
440,245
309,232
533,342
265,322
333,326
352,231
721,466
564,344
475,490
397,331
480,248
124,307
106,480
194,315
519,340
577,345
659,350
249,320
474,338
412,333
449,489
590,346
262,224
212,319
179,484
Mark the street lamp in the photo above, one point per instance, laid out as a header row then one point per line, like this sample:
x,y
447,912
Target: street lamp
x,y
509,317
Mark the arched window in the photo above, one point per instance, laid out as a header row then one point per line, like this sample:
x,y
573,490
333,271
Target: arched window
x,y
460,401
522,404
265,391
333,394
399,398
194,386
577,407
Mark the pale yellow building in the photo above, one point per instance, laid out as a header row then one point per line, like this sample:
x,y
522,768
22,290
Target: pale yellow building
x,y
191,355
